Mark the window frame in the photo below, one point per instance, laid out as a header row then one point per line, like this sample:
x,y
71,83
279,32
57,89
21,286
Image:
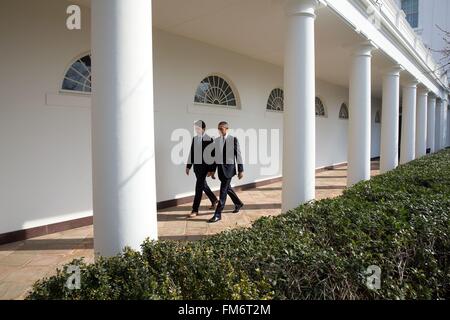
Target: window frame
x,y
412,13
325,111
348,111
67,68
230,84
270,94
378,115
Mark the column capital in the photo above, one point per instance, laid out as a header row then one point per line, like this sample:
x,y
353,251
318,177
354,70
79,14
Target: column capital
x,y
364,48
431,99
303,7
423,91
393,70
411,83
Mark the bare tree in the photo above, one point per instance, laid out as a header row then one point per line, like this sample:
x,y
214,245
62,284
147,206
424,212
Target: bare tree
x,y
444,61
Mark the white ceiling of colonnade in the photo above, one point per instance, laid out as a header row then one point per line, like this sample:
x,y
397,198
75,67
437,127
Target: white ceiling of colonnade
x,y
255,28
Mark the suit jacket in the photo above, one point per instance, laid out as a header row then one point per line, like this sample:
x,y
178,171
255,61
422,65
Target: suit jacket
x,y
227,155
198,157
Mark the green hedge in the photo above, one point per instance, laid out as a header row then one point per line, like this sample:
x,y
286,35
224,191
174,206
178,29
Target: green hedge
x,y
398,221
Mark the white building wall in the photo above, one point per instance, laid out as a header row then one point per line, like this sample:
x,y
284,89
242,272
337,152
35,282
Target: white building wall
x,y
331,132
180,65
375,146
433,13
45,163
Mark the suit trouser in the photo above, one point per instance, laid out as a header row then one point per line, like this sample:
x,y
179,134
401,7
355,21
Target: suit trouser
x,y
202,186
225,189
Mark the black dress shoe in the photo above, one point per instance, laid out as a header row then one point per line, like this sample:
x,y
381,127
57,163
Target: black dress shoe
x,y
237,208
214,219
213,205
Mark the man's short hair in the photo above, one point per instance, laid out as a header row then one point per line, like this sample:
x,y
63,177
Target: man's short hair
x,y
200,124
224,124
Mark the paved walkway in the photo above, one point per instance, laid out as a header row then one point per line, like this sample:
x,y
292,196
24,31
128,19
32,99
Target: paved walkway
x,y
24,262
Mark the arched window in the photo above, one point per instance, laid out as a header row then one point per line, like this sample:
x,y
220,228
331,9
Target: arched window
x,y
78,76
276,100
320,109
343,112
378,116
215,90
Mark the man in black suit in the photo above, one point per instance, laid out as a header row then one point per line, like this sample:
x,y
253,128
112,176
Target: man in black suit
x,y
227,154
201,166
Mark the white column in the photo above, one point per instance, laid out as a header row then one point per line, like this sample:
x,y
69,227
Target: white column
x,y
421,122
124,192
431,128
299,96
360,115
390,116
444,124
408,143
438,126
448,126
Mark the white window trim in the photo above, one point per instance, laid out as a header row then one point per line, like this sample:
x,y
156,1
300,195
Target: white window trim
x,y
72,92
68,99
210,105
274,111
205,108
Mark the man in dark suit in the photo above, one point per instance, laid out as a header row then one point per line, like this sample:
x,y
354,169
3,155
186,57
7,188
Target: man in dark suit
x,y
227,154
201,166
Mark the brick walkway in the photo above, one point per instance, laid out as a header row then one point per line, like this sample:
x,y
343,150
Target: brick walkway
x,y
24,262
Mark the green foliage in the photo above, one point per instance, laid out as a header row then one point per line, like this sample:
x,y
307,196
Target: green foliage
x,y
398,221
